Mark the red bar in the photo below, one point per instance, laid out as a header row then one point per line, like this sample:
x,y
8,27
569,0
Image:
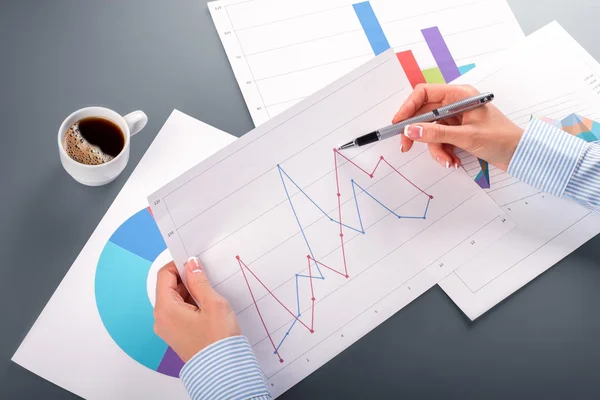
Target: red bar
x,y
411,68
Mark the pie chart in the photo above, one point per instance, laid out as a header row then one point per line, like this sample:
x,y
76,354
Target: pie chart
x,y
122,294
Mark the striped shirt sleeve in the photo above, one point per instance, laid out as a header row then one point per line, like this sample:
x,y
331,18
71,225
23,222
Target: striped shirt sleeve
x,y
558,163
226,369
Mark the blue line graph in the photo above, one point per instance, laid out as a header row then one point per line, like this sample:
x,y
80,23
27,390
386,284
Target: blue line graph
x,y
284,176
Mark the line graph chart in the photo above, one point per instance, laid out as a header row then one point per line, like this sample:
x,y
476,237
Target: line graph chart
x,y
343,271
318,270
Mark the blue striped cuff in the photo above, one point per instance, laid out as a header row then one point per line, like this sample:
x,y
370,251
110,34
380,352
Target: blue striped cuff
x,y
226,369
584,186
546,157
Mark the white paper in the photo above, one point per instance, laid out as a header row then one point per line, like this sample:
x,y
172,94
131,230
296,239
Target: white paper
x,y
548,75
283,51
68,344
271,199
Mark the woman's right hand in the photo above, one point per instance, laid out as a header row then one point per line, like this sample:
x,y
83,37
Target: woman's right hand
x,y
484,132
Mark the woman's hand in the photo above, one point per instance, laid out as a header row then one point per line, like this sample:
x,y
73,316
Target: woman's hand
x,y
484,132
180,322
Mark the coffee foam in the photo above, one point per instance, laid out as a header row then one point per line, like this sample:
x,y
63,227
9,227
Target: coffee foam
x,y
81,150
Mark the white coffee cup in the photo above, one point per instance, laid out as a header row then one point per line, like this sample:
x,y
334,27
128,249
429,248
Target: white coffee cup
x,y
97,175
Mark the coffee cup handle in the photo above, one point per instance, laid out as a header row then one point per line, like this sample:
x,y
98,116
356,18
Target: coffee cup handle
x,y
136,121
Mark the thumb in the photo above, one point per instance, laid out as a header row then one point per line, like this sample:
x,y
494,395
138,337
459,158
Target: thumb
x,y
438,133
197,281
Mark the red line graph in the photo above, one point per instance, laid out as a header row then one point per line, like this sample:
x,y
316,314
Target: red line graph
x,y
310,258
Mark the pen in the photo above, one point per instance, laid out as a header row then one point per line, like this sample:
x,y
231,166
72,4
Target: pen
x,y
440,113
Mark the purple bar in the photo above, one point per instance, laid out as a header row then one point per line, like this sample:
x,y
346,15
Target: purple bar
x,y
171,364
441,54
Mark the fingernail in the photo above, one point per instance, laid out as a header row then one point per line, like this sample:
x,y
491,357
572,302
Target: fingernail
x,y
401,148
455,165
447,164
193,264
413,131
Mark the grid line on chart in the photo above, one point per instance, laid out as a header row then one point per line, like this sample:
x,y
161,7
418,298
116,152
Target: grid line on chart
x,y
481,54
446,34
505,186
293,195
249,69
178,234
238,3
297,99
352,58
500,188
502,180
303,42
374,303
496,172
557,112
540,104
278,125
344,6
287,19
471,162
293,155
449,34
433,12
309,68
526,257
349,240
522,198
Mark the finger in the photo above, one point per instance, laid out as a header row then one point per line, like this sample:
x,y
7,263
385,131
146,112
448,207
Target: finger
x,y
431,94
461,136
440,155
450,150
182,291
197,281
405,144
166,283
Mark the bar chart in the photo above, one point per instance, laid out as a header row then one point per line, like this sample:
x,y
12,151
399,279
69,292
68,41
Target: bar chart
x,y
446,70
282,52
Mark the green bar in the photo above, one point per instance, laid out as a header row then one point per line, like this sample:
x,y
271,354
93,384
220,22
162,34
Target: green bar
x,y
433,75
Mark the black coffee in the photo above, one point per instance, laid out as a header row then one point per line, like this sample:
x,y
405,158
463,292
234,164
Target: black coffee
x,y
94,141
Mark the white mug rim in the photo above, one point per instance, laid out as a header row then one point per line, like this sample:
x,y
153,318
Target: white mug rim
x,y
62,131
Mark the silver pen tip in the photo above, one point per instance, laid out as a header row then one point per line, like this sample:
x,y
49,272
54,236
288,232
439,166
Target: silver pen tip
x,y
346,146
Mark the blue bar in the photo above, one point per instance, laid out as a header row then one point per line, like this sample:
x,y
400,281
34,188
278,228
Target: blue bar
x,y
371,26
465,68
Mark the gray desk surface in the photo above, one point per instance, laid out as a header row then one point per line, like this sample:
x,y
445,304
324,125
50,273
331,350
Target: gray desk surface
x,y
58,56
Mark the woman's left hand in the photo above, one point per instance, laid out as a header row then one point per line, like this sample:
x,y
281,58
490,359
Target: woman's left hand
x,y
179,321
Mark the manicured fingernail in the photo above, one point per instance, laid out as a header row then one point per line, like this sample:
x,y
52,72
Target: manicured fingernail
x,y
447,164
455,165
401,149
413,131
193,264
